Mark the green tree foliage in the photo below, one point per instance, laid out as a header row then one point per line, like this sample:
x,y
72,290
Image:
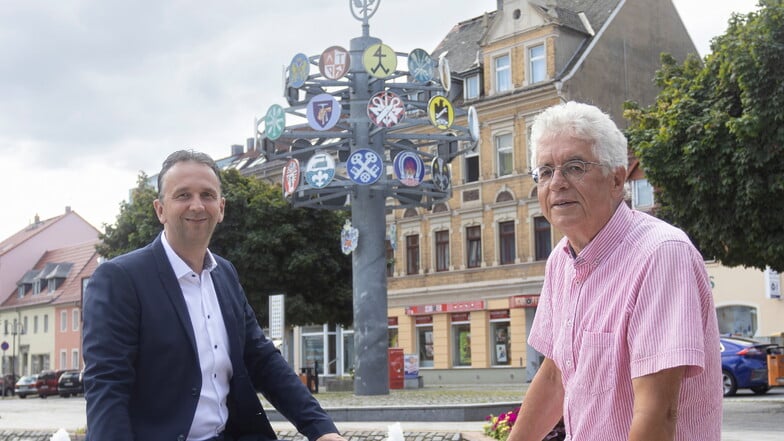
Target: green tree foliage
x,y
276,248
713,143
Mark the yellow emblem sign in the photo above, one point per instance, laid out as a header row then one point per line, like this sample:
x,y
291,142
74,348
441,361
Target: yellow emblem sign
x,y
379,60
441,112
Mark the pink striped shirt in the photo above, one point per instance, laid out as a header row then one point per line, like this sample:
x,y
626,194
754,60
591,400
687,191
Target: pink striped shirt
x,y
635,301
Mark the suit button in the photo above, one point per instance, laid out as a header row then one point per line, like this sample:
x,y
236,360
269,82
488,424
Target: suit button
x,y
194,392
180,437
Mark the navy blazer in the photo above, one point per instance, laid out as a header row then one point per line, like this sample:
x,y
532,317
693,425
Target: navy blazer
x,y
142,377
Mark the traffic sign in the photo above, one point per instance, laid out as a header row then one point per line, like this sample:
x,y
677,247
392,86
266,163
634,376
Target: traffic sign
x,y
4,346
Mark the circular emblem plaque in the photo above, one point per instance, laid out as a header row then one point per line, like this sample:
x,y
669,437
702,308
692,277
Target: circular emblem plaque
x,y
421,66
299,69
385,109
323,112
379,60
334,62
440,112
409,168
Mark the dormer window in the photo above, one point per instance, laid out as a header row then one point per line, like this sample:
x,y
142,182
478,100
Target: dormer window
x,y
471,87
20,291
36,286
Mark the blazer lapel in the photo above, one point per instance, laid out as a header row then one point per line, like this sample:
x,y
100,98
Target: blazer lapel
x,y
173,292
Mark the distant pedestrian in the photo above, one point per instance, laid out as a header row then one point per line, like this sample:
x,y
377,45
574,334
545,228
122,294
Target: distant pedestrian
x,y
626,319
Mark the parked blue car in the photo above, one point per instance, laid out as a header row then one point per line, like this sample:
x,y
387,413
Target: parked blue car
x,y
744,365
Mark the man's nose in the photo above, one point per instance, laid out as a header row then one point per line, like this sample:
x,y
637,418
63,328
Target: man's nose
x,y
559,178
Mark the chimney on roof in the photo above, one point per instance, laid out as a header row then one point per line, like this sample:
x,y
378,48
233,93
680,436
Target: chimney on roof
x,y
67,209
36,219
236,149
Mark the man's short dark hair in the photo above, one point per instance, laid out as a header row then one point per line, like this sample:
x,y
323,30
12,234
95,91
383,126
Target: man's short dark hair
x,y
185,156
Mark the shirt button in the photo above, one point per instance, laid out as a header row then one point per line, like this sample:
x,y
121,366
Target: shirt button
x,y
569,363
214,375
215,347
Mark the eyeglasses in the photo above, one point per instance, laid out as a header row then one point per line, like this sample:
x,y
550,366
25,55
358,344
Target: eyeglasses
x,y
571,170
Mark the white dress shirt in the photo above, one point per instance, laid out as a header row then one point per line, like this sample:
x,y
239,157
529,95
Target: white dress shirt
x,y
211,342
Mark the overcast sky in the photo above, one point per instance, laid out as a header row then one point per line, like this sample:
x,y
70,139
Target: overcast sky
x,y
94,91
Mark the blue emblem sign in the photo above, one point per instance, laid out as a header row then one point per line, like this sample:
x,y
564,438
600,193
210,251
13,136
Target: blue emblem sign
x,y
299,69
323,112
385,109
409,168
349,238
364,166
334,62
274,122
442,177
320,170
421,66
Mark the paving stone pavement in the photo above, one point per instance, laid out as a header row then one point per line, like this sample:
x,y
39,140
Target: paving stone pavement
x,y
283,435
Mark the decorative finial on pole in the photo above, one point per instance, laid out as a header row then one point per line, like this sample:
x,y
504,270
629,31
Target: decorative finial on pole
x,y
362,10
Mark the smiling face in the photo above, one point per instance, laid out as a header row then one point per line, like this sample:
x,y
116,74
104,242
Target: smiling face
x,y
189,208
579,208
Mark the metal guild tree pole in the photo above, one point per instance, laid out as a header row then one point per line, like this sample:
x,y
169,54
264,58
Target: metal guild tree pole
x,y
371,371
401,135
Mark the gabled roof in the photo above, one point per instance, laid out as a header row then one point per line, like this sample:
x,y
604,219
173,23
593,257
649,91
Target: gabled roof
x,y
31,230
463,42
68,263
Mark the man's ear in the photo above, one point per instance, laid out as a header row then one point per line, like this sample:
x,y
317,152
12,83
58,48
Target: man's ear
x,y
619,180
158,206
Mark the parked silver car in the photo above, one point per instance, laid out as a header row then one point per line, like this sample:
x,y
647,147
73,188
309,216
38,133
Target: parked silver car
x,y
26,386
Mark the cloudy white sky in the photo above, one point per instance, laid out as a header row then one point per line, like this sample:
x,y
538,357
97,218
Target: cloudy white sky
x,y
94,91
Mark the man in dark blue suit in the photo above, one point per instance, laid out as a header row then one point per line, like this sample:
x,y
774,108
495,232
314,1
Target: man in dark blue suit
x,y
172,348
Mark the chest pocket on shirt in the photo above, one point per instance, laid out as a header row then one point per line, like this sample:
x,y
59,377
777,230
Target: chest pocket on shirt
x,y
596,365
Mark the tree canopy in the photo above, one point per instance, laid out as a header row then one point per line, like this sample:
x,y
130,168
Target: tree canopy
x,y
713,143
275,248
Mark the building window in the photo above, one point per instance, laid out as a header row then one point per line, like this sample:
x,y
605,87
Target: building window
x,y
75,362
46,323
63,321
424,329
504,148
737,320
642,194
37,286
542,241
52,284
63,359
75,320
412,254
20,291
506,241
474,247
499,337
390,255
313,347
35,324
471,87
461,339
442,250
392,333
537,64
471,173
503,74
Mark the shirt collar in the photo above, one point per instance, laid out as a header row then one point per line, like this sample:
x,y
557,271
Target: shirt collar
x,y
608,238
179,266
